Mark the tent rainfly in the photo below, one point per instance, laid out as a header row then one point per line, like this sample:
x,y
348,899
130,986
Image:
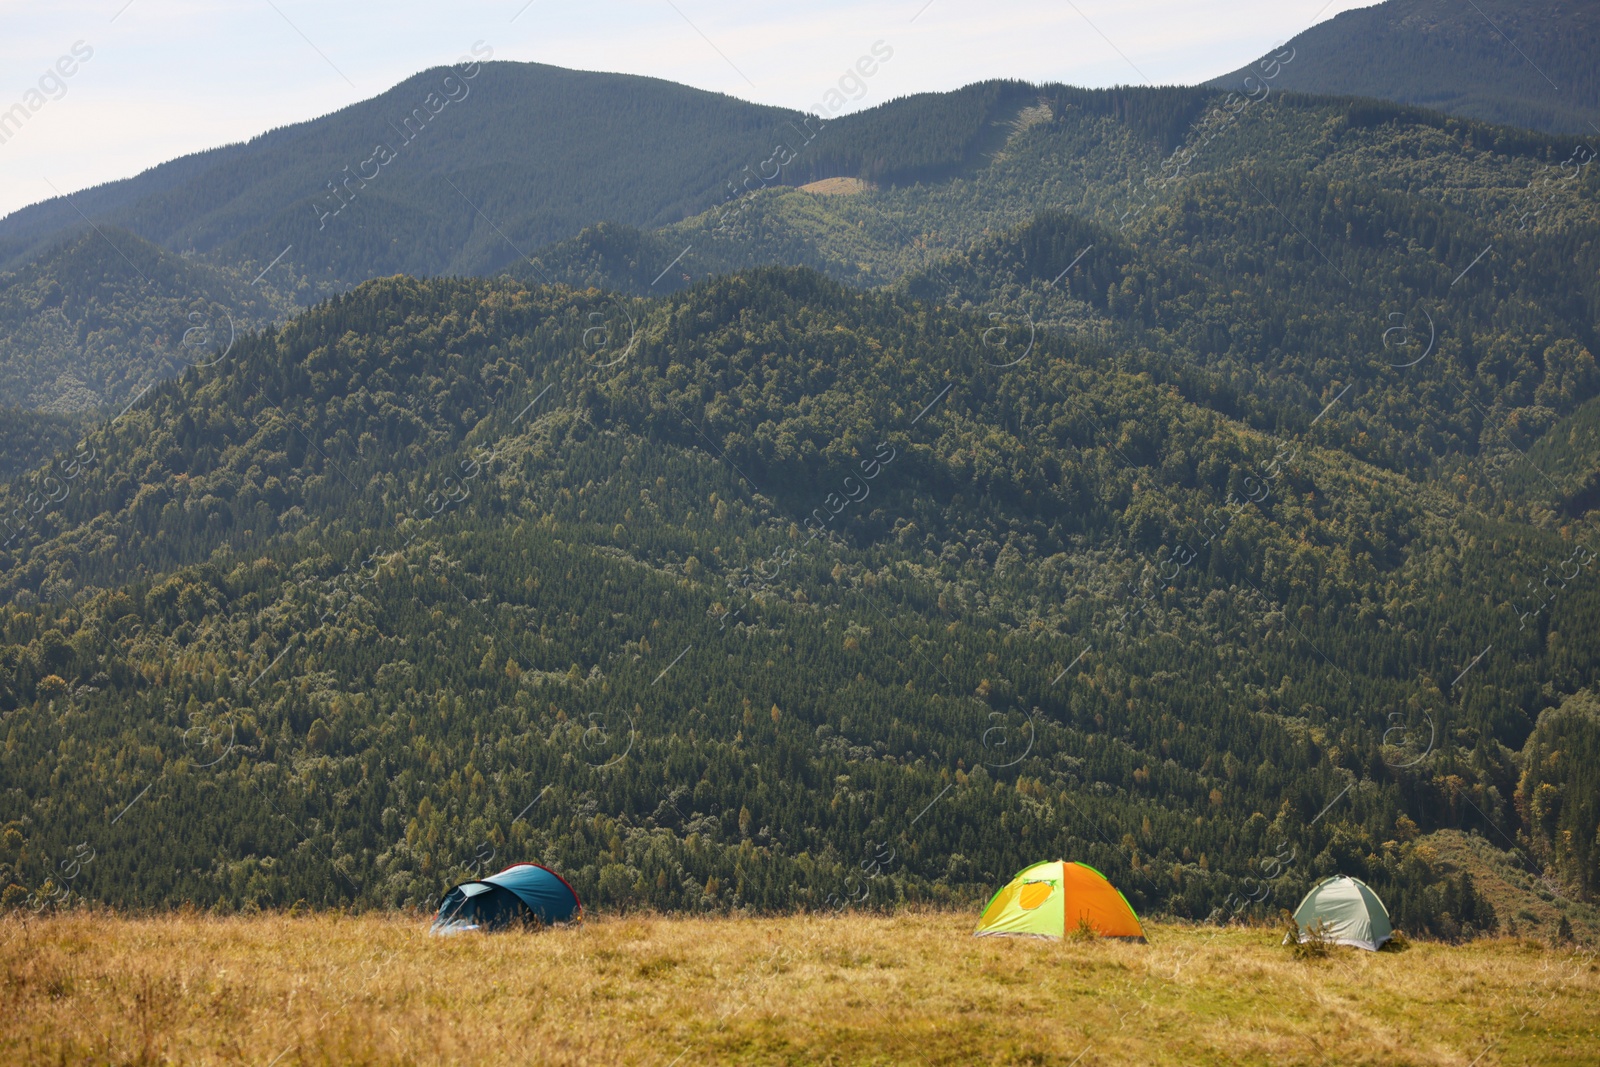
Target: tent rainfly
x,y
1350,913
1049,899
522,893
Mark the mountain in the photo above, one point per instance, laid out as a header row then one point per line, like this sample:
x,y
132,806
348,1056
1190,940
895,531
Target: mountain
x,y
730,186
444,173
1372,213
98,319
1117,156
461,170
455,171
690,597
1200,488
1523,63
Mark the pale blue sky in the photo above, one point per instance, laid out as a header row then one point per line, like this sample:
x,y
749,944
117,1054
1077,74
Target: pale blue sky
x,y
168,77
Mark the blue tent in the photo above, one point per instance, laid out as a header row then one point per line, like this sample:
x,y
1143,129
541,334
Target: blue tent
x,y
522,893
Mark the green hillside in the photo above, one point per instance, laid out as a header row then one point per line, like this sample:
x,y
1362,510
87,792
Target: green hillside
x,y
96,321
469,161
943,171
1124,158
1198,485
29,439
763,584
459,170
1526,63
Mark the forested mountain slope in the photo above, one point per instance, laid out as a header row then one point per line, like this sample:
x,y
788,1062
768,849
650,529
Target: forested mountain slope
x,y
367,190
30,439
1306,250
941,172
96,321
1527,63
690,598
1199,485
1126,158
458,170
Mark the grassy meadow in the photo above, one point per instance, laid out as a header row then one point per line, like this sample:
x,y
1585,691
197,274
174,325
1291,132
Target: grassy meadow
x,y
909,988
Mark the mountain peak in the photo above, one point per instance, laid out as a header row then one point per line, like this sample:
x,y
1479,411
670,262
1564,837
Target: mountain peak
x,y
1514,62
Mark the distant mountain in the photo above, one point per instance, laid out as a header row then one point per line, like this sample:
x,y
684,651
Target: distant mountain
x,y
464,170
641,186
448,172
1529,63
459,170
105,314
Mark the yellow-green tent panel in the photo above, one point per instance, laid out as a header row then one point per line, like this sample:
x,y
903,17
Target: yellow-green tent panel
x,y
1050,898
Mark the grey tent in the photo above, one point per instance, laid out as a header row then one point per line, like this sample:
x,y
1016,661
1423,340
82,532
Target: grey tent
x,y
1350,912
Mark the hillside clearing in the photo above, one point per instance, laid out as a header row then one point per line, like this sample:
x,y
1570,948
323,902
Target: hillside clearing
x,y
909,988
837,186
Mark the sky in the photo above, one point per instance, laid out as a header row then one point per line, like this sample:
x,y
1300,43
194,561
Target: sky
x,y
151,80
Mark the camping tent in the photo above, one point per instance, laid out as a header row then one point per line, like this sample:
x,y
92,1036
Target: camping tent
x,y
1051,898
523,892
1351,913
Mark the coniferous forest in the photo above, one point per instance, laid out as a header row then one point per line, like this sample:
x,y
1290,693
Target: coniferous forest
x,y
1200,485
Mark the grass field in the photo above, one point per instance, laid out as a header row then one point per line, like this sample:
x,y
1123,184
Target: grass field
x,y
911,988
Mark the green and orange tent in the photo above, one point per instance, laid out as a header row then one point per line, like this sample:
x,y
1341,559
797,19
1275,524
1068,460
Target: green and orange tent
x,y
1051,898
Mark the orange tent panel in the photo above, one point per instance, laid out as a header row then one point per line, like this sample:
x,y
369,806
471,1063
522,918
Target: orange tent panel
x,y
1087,896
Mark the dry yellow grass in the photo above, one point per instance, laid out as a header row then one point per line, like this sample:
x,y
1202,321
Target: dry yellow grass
x,y
838,186
912,988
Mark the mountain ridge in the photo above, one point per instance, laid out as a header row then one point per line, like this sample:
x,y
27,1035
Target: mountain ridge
x,y
1509,62
939,171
